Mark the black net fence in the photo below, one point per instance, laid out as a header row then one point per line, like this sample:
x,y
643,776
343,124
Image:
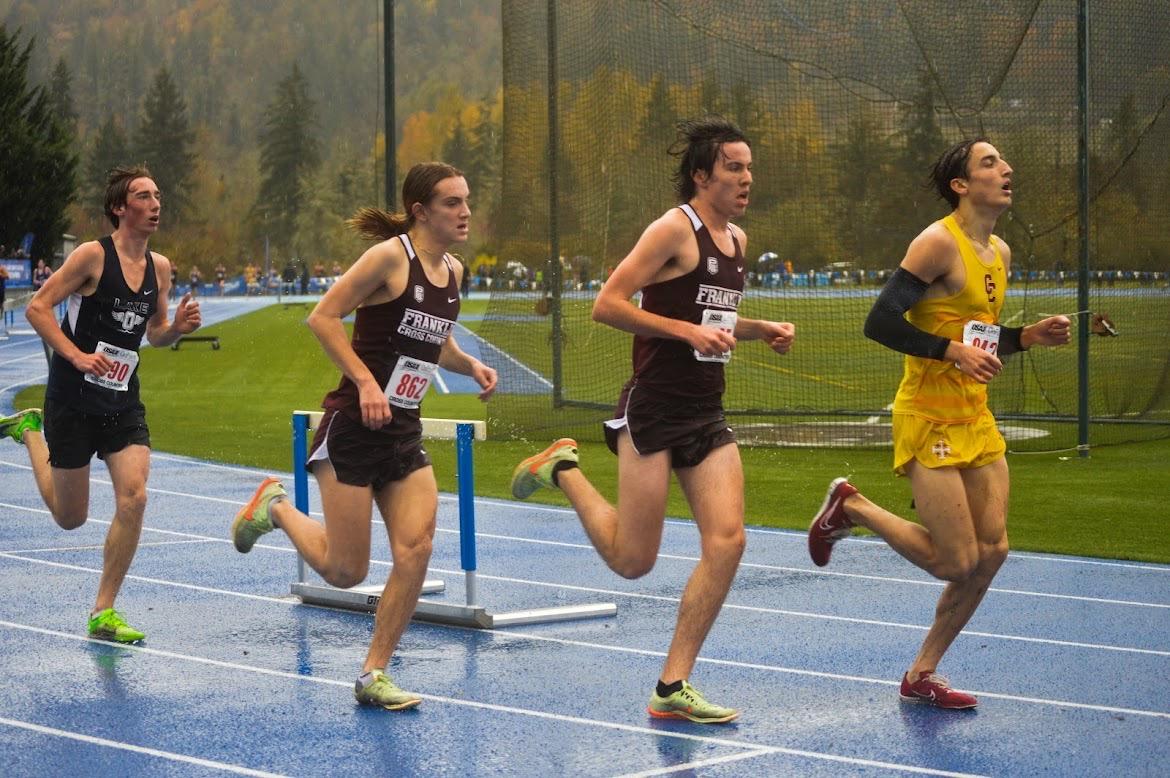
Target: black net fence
x,y
847,103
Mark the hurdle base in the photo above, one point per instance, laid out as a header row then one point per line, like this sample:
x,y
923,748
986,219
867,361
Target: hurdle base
x,y
365,599
357,598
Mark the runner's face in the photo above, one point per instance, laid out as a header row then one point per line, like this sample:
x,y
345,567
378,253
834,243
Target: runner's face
x,y
989,178
730,182
142,208
448,215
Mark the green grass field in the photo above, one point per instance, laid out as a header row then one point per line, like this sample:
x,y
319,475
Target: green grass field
x,y
233,405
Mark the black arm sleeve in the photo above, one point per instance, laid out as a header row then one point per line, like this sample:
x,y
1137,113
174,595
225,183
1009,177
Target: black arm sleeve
x,y
887,324
1009,341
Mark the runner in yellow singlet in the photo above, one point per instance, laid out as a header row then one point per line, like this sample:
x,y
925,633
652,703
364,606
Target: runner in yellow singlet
x,y
941,309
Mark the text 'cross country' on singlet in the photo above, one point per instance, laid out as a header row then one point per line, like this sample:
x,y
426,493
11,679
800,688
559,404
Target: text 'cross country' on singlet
x,y
708,295
112,319
399,341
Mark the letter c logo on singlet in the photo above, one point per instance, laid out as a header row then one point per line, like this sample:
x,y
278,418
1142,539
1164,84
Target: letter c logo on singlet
x,y
712,265
418,292
989,285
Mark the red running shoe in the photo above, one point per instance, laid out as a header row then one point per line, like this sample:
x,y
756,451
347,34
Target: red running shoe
x,y
830,524
932,689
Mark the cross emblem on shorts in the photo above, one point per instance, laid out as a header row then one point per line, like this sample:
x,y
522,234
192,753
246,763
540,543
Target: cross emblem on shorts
x,y
941,449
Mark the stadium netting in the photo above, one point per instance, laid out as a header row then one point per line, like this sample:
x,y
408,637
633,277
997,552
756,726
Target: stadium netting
x,y
847,103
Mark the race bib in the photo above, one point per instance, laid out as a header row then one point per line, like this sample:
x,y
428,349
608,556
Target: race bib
x,y
982,336
117,377
717,320
409,381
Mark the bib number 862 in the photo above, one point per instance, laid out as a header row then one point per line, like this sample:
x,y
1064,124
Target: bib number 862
x,y
412,386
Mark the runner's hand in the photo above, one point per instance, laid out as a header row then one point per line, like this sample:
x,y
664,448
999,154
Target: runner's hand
x,y
187,316
710,342
974,362
94,364
779,335
1053,331
486,378
375,407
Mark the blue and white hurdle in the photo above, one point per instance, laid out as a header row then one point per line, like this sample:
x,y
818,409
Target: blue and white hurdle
x,y
365,597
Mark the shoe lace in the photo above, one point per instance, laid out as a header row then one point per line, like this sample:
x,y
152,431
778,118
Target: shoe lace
x,y
939,680
114,619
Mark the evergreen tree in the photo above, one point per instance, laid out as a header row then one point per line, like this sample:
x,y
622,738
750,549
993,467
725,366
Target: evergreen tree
x,y
61,95
289,154
36,158
110,149
861,159
163,142
458,150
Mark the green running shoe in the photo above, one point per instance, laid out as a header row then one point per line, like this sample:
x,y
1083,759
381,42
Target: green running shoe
x,y
688,703
253,520
14,426
109,625
382,692
537,470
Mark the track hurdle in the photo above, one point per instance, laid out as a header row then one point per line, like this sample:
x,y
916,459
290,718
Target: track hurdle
x,y
468,614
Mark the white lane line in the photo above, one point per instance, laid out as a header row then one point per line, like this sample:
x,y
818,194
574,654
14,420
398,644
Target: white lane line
x,y
20,359
678,557
754,749
170,755
801,536
512,634
33,380
603,591
678,768
776,531
143,544
864,576
718,760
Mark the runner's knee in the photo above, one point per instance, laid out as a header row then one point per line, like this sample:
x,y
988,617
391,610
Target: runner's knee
x,y
413,552
70,519
131,503
346,573
957,568
636,566
725,545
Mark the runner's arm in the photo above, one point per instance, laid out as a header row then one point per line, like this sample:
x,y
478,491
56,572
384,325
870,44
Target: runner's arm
x,y
662,241
79,274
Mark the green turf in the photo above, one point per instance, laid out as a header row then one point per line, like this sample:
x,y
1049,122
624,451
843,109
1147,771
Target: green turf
x,y
233,405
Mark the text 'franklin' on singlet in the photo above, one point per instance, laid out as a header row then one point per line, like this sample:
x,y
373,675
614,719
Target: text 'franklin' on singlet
x,y
709,296
111,320
399,341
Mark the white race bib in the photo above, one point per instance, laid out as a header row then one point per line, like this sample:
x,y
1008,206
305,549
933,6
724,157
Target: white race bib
x,y
117,377
409,381
982,336
717,320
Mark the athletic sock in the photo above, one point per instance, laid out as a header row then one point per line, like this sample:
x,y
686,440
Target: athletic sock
x,y
666,689
365,679
274,501
564,464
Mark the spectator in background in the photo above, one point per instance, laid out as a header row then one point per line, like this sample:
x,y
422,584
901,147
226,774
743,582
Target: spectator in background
x,y
251,279
40,275
337,270
220,277
3,292
196,279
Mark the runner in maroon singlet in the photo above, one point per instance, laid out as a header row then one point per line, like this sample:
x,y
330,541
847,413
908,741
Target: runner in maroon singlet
x,y
689,268
368,448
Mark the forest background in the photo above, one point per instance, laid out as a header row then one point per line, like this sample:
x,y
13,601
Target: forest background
x,y
261,121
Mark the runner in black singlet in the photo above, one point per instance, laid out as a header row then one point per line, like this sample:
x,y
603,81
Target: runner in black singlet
x,y
117,292
368,448
689,268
